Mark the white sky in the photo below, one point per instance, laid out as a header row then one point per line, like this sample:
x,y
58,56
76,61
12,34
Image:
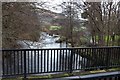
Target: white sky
x,y
54,3
51,4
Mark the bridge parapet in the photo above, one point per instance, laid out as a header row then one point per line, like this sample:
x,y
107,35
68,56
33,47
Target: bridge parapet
x,y
37,61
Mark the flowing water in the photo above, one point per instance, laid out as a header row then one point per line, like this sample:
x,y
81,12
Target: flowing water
x,y
47,41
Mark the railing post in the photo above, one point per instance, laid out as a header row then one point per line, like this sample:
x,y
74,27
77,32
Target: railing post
x,y
25,74
1,64
71,61
107,58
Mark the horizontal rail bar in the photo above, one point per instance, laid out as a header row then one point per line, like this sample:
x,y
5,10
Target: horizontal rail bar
x,y
64,48
36,61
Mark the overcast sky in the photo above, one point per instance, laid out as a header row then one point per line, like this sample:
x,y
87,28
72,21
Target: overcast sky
x,y
53,3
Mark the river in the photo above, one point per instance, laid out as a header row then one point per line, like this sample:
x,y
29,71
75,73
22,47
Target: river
x,y
48,41
45,41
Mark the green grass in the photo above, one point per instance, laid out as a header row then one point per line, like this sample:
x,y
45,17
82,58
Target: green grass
x,y
55,28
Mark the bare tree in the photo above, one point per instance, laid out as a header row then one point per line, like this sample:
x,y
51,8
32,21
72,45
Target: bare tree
x,y
102,21
20,22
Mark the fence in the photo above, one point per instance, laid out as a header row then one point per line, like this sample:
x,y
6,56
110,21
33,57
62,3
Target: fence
x,y
36,61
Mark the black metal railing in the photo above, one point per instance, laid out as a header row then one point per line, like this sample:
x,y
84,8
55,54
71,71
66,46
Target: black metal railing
x,y
36,61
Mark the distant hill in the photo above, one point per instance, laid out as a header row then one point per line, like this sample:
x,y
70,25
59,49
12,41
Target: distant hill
x,y
47,16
